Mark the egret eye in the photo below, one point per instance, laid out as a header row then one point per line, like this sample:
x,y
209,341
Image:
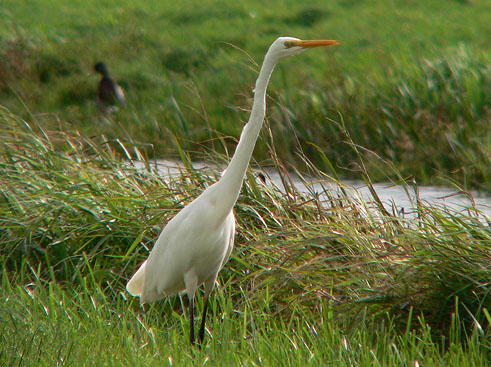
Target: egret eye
x,y
288,44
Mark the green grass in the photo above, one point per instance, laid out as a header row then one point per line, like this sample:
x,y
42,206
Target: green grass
x,y
406,95
43,324
412,79
348,284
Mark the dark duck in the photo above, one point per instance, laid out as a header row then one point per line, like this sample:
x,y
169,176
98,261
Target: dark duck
x,y
109,94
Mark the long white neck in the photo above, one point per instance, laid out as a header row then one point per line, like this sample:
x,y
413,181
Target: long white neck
x,y
231,180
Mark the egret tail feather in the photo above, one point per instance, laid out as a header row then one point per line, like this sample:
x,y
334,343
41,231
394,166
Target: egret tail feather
x,y
135,285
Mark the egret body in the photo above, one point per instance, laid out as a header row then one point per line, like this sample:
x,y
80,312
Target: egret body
x,y
196,243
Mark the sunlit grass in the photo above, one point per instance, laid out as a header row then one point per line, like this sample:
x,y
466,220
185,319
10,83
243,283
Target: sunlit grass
x,y
44,324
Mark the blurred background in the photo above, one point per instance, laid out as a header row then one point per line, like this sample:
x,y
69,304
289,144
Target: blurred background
x,y
410,80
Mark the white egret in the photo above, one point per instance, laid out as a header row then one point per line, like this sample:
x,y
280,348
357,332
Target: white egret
x,y
196,243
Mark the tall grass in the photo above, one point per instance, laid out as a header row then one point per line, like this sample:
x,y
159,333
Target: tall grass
x,y
348,282
428,117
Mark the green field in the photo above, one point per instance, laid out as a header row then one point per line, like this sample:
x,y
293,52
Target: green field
x,y
411,79
406,95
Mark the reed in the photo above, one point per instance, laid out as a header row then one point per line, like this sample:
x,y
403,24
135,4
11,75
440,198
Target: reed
x,y
325,275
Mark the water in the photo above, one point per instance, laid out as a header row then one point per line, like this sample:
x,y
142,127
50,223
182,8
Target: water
x,y
390,195
404,201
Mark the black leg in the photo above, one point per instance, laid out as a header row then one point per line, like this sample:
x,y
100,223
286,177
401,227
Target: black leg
x,y
191,326
202,328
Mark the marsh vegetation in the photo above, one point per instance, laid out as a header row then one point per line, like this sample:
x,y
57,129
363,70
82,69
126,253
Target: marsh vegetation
x,y
339,281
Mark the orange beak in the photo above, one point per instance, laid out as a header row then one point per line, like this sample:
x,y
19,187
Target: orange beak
x,y
313,43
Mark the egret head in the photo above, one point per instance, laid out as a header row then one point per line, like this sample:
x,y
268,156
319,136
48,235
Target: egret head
x,y
288,46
